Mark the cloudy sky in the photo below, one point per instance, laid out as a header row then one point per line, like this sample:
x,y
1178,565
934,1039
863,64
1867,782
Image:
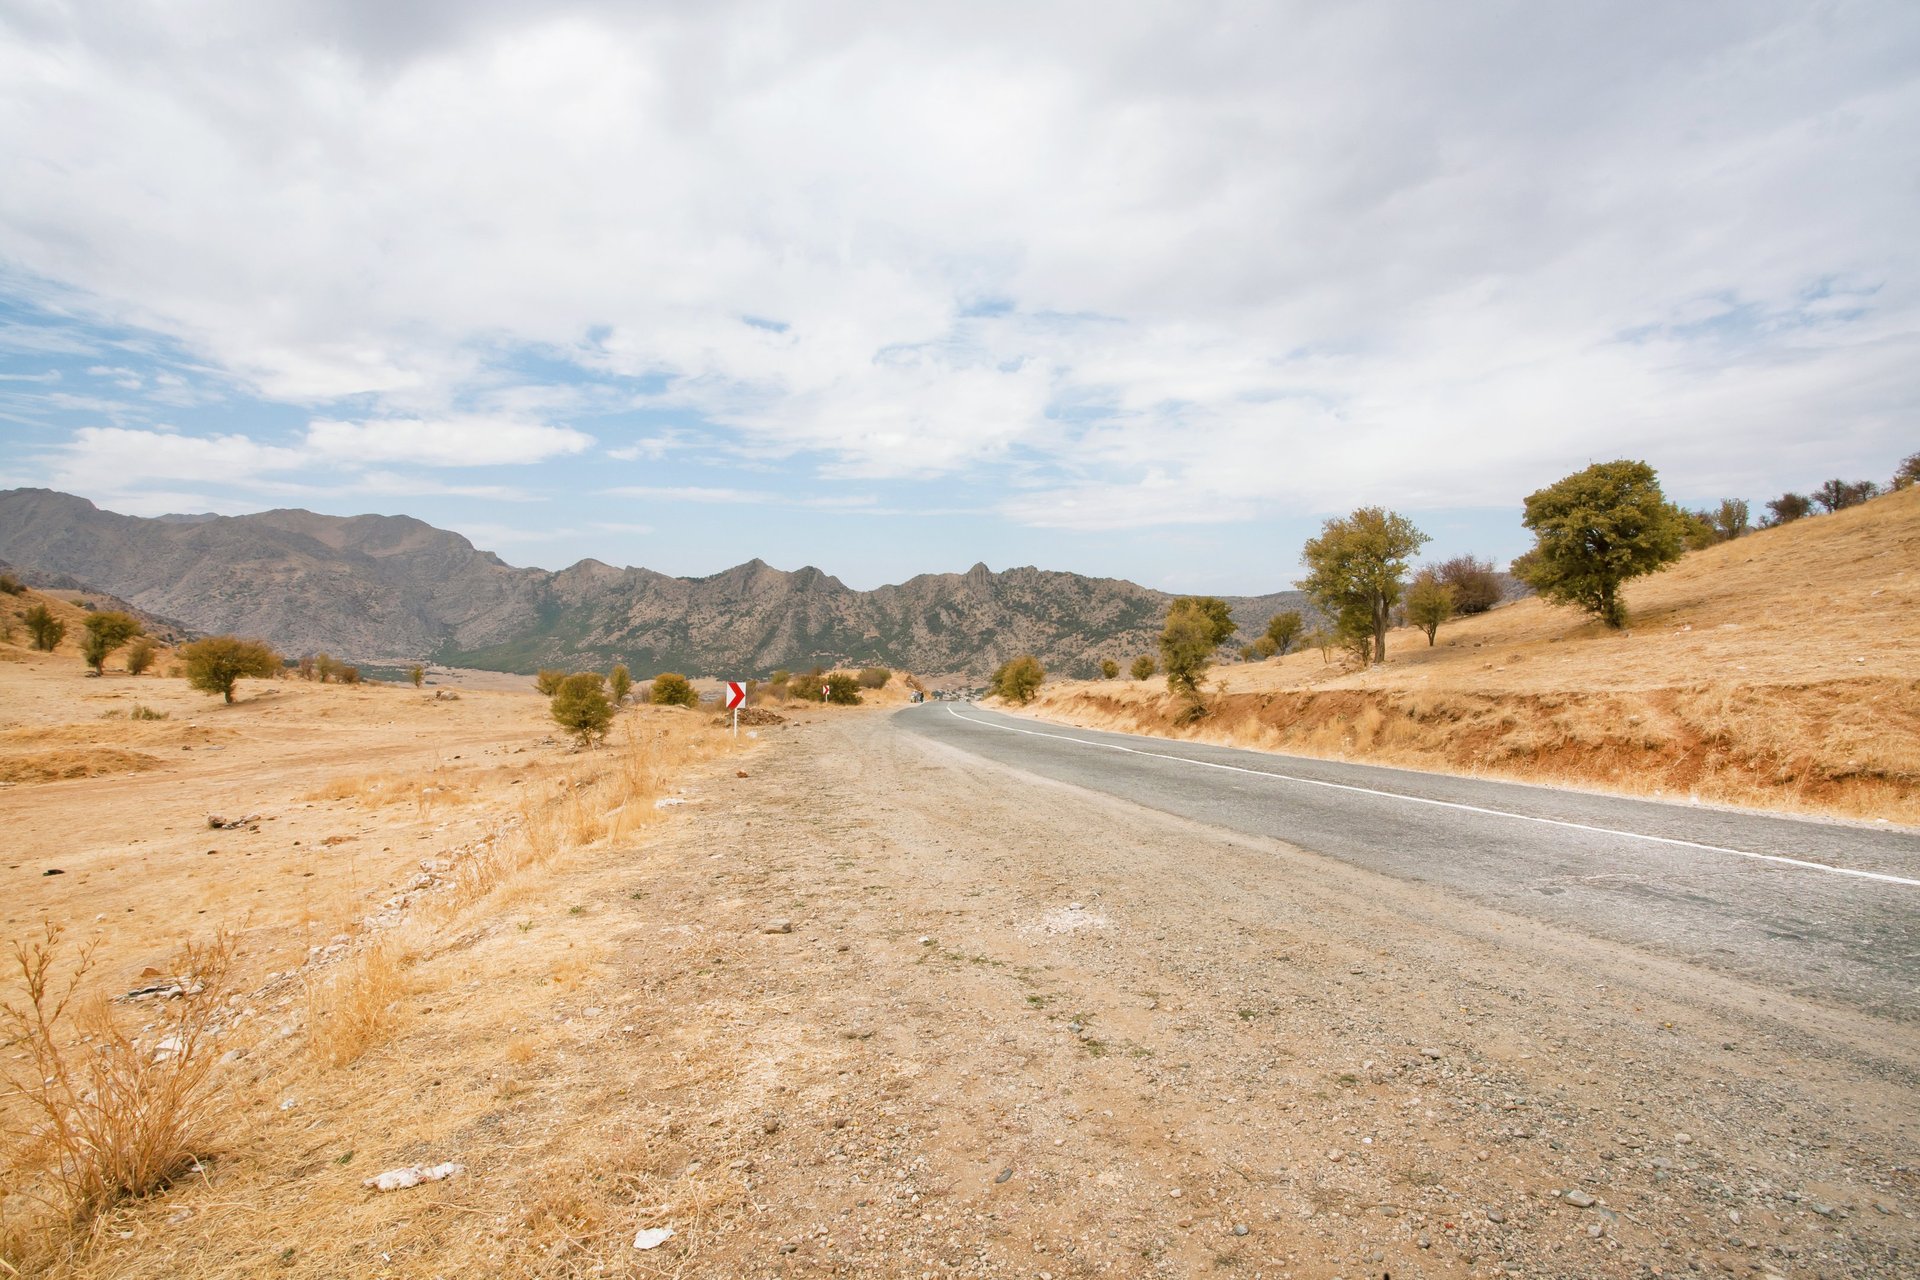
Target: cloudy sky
x,y
1144,290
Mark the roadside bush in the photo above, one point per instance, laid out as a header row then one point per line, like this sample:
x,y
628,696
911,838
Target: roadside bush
x,y
843,690
1018,679
1187,643
1787,508
140,655
1283,630
619,683
874,677
11,586
1143,667
580,707
780,675
548,680
808,688
671,689
217,663
43,629
345,674
1109,668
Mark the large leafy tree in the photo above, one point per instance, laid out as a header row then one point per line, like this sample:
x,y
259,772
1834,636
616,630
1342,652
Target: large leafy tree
x,y
1596,529
1355,567
1187,643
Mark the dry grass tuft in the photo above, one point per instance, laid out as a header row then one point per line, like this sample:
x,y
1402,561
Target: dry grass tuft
x,y
94,1114
357,1009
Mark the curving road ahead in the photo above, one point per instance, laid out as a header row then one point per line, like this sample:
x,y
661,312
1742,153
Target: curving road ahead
x,y
1823,910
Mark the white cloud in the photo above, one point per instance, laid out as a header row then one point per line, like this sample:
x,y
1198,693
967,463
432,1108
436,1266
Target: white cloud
x,y
1158,266
447,442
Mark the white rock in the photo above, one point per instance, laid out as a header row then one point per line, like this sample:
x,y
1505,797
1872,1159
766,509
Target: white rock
x,y
413,1176
653,1237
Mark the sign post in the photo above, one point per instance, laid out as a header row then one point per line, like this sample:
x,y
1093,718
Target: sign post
x,y
736,694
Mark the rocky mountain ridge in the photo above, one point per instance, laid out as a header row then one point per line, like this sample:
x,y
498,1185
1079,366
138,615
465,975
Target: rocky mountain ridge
x,y
389,589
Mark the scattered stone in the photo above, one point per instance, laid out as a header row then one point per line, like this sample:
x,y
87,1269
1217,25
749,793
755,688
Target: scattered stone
x,y
1239,1228
53,871
1824,1210
652,1237
1004,1175
1597,1230
1434,1054
219,823
1425,1241
1336,1156
777,926
413,1176
1494,1215
445,695
1175,1193
1579,1199
739,773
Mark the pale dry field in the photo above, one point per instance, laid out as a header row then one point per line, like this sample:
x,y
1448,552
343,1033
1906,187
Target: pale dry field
x,y
1781,670
861,1005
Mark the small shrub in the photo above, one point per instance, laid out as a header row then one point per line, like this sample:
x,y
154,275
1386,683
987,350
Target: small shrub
x,y
43,629
145,713
217,663
10,585
358,1009
808,688
1144,666
874,677
140,655
1429,603
1109,668
619,683
417,674
344,674
780,675
548,681
580,707
843,690
1788,507
671,689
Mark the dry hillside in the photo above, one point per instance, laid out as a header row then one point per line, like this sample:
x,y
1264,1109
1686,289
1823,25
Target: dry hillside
x,y
1781,670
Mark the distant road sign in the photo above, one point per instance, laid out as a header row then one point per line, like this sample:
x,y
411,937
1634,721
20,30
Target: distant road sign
x,y
736,695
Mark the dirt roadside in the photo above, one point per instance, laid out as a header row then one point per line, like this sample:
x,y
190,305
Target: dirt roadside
x,y
880,1008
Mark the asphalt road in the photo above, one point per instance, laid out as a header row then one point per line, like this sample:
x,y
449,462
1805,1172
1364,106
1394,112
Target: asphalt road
x,y
1824,910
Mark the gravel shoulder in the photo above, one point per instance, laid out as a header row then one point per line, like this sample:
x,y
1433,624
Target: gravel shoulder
x,y
1020,1029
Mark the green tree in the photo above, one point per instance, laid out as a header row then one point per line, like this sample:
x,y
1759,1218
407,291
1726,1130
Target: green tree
x,y
580,707
780,676
1596,529
1787,508
1220,623
843,690
547,680
1018,679
1429,602
671,689
1283,629
217,663
1144,667
1838,495
45,631
1731,519
619,682
140,655
106,631
1109,668
1355,567
416,675
1187,642
1904,476
1476,587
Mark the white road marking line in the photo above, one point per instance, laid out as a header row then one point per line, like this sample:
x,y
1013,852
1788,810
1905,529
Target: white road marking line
x,y
1450,804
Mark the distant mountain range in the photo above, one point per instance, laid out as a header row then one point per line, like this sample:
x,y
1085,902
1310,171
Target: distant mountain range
x,y
392,589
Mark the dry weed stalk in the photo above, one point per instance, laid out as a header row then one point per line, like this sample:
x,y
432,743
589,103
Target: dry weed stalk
x,y
359,1008
95,1114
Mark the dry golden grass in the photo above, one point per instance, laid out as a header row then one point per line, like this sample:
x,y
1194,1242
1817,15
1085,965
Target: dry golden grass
x,y
99,1112
459,822
1778,671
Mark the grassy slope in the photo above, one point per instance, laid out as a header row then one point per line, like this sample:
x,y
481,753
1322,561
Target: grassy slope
x,y
1782,670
